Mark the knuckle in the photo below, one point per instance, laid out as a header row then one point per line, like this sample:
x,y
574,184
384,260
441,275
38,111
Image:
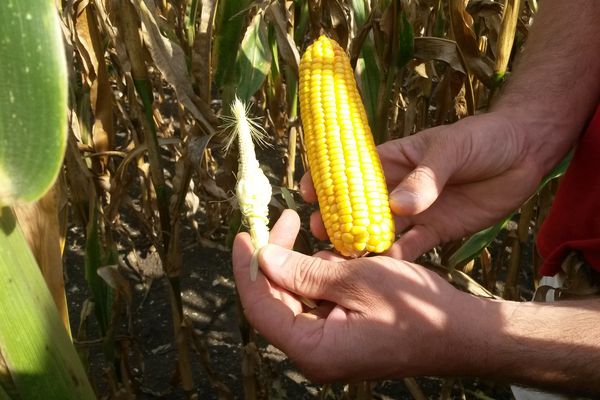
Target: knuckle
x,y
350,278
423,174
307,273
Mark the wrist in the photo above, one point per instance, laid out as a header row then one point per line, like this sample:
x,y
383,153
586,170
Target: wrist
x,y
544,137
470,333
461,348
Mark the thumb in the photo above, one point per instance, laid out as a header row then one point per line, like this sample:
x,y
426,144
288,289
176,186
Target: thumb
x,y
422,186
307,276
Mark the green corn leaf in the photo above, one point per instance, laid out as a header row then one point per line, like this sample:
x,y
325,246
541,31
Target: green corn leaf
x,y
289,199
4,395
229,25
253,60
405,37
367,70
440,21
33,104
192,8
369,80
557,171
95,259
302,24
235,226
33,341
476,243
39,355
480,240
360,12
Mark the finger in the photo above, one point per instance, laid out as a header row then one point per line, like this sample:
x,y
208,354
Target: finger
x,y
422,186
269,315
400,156
307,276
401,223
317,227
413,243
307,189
284,234
286,229
243,250
287,298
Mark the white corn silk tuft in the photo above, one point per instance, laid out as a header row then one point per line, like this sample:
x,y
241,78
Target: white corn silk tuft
x,y
253,189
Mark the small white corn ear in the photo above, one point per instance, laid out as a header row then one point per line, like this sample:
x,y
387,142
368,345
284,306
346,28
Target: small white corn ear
x,y
253,189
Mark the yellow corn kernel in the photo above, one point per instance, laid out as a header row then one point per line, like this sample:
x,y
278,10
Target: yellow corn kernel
x,y
341,152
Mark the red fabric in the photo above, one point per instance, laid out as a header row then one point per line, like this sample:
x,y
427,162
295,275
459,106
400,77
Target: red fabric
x,y
574,219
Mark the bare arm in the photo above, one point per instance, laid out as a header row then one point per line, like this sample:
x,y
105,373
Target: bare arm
x,y
553,346
552,93
555,86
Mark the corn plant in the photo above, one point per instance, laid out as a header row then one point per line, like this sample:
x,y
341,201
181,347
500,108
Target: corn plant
x,y
37,358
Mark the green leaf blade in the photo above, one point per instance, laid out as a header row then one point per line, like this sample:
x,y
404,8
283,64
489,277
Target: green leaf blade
x,y
254,59
473,246
33,341
33,105
229,25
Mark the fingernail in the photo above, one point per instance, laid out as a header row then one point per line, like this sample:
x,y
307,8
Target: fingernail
x,y
403,199
273,255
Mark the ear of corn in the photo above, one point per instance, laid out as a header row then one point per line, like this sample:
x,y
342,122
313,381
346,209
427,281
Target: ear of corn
x,y
253,189
344,164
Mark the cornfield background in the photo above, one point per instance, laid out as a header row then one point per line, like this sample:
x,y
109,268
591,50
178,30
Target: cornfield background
x,y
143,209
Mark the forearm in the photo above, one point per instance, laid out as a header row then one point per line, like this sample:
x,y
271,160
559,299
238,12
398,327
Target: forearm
x,y
555,85
554,346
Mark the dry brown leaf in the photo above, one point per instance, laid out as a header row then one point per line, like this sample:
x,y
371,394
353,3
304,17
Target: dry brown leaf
x,y
211,187
101,97
169,58
462,29
484,8
113,278
339,22
83,43
202,50
78,175
460,280
39,222
490,13
442,97
432,48
117,45
510,16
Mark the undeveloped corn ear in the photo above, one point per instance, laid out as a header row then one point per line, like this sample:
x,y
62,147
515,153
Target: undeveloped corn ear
x,y
344,164
253,189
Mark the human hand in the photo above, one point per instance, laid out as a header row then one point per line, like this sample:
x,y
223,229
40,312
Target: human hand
x,y
379,317
450,181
